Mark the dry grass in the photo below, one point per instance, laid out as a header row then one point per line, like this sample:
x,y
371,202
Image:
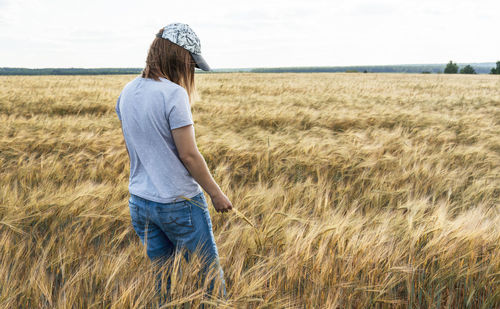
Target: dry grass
x,y
366,190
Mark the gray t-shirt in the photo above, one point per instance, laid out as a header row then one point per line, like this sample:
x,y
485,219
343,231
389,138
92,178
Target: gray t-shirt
x,y
148,110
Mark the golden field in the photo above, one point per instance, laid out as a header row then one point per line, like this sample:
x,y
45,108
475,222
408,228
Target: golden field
x,y
360,191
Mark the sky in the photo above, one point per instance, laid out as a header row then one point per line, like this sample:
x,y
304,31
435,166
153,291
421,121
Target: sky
x,y
256,33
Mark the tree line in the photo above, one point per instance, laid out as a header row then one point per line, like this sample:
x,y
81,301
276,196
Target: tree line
x,y
68,71
480,68
452,68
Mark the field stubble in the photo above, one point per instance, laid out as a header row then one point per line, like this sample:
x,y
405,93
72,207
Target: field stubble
x,y
364,190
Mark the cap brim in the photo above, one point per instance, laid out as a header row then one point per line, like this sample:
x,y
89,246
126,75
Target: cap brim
x,y
200,62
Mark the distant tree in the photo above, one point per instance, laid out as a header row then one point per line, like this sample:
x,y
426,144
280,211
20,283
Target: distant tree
x,y
496,70
426,72
365,71
451,68
467,70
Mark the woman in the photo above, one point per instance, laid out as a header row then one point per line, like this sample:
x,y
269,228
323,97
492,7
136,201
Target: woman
x,y
167,206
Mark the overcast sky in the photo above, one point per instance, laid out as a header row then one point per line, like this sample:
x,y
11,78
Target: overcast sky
x,y
255,33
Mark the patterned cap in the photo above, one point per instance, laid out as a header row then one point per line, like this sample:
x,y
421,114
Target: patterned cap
x,y
184,36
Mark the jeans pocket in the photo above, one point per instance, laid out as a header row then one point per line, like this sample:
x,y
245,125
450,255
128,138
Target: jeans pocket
x,y
177,218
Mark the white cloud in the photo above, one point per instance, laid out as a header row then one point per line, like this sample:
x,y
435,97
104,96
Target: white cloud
x,y
258,33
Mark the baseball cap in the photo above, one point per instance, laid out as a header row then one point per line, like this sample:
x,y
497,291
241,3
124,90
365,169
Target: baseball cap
x,y
182,35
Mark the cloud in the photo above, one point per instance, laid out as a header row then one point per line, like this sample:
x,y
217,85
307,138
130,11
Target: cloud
x,y
4,4
375,9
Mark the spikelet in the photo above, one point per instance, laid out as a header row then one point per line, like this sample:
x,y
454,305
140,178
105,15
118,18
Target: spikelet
x,y
238,213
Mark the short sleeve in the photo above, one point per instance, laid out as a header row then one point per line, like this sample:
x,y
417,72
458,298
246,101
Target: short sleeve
x,y
117,108
180,114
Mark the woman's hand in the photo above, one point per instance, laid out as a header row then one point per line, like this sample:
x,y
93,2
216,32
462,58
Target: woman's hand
x,y
221,202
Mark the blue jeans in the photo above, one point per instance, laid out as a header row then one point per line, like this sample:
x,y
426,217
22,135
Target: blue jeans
x,y
164,228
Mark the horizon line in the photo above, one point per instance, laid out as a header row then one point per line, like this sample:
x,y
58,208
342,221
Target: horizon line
x,y
264,67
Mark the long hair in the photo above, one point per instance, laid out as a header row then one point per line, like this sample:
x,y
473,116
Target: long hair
x,y
171,61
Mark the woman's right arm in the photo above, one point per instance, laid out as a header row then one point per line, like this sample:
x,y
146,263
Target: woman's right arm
x,y
185,142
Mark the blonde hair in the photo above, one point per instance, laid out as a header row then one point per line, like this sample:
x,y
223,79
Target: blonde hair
x,y
171,61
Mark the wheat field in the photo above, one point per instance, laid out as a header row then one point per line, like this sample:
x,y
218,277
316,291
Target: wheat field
x,y
353,191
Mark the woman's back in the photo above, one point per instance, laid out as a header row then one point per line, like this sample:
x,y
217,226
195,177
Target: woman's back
x,y
148,111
